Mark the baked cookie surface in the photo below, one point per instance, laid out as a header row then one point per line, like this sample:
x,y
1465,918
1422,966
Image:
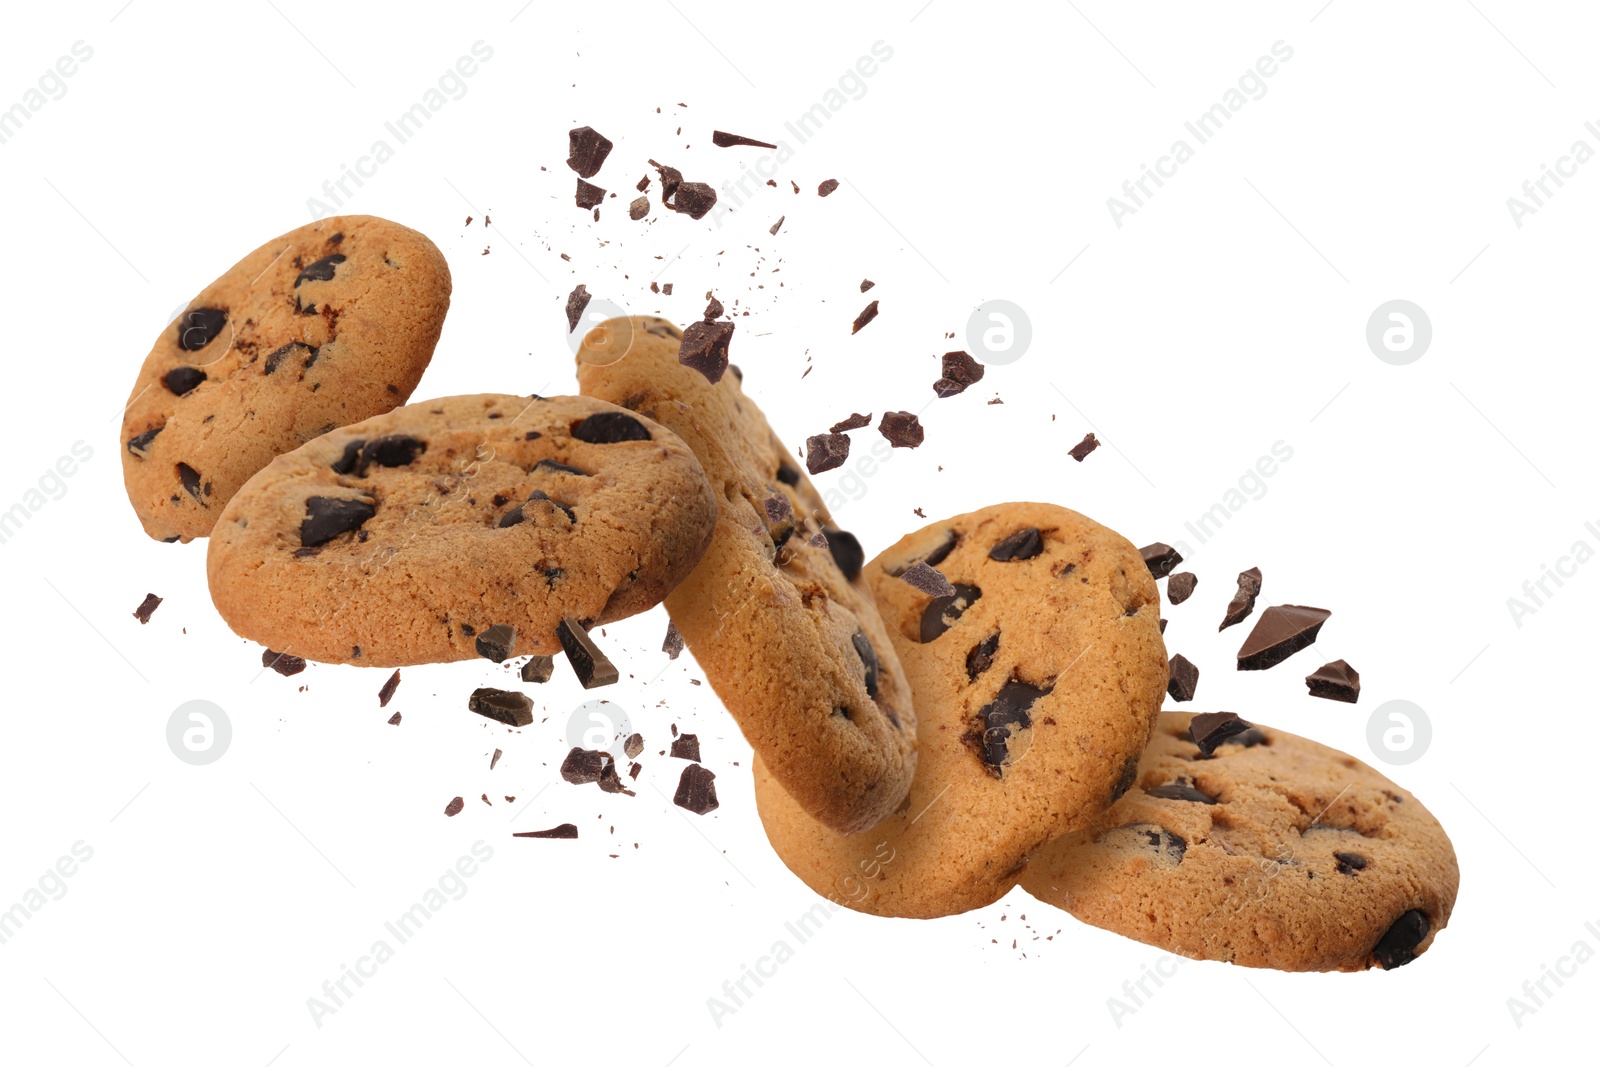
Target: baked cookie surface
x,y
400,539
796,652
1037,678
1273,852
324,326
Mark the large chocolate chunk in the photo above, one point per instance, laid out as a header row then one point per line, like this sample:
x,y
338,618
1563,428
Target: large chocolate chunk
x,y
587,150
1182,676
694,199
320,271
846,551
391,450
588,662
496,642
1397,947
538,669
901,429
139,443
1282,630
959,371
1349,862
1214,728
684,746
1000,721
1244,601
190,479
329,516
282,662
869,662
942,612
1160,559
1180,586
705,348
1024,544
199,327
183,380
1335,681
697,790
609,428
826,451
502,705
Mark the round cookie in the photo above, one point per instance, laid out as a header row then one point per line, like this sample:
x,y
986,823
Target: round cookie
x,y
1036,681
795,651
1275,851
400,539
321,327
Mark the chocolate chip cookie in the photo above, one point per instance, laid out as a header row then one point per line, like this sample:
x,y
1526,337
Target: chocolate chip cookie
x,y
795,651
321,327
1030,636
401,539
1273,851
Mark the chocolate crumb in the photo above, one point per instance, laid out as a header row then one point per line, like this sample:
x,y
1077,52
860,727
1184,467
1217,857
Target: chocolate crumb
x,y
282,662
827,187
386,694
147,607
394,720
453,808
1082,449
868,313
867,283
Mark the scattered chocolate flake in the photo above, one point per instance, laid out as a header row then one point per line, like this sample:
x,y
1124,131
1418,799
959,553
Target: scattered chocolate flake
x,y
684,746
1182,789
538,669
942,612
926,579
827,187
386,694
729,140
995,401
566,831
610,428
1335,681
588,662
329,516
825,451
496,642
673,644
1282,630
147,607
1160,558
502,705
1006,716
394,720
494,759
587,150
776,226
282,662
854,422
639,208
1182,676
1180,586
1244,601
868,313
846,551
1350,862
1213,728
694,199
901,428
577,300
1082,449
1024,544
633,746
697,790
453,808
1397,947
796,186
867,283
713,309
957,371
705,348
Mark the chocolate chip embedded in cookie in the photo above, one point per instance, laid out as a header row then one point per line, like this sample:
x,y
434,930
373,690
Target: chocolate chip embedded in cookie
x,y
796,652
324,326
1036,684
471,525
1274,851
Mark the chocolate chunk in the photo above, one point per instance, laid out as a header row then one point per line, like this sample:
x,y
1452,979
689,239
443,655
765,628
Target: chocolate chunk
x,y
190,478
825,451
467,630
1000,721
1080,450
633,746
453,808
1160,559
694,199
391,450
854,422
671,178
1182,789
942,612
869,662
276,357
197,328
564,468
577,301
638,208
1180,586
1335,681
776,226
868,313
828,186
1244,601
1282,630
588,662
1397,947
502,705
729,140
958,370
496,642
584,765
538,669
320,271
981,656
867,283
1182,676
788,475
846,551
673,644
386,694
587,150
705,348
1163,623
1024,544
901,429
138,444
1125,778
329,516
588,195
779,517
1212,728
713,309
282,662
684,746
609,428
183,380
566,831
697,790
927,579
350,459
394,720
147,607
1350,862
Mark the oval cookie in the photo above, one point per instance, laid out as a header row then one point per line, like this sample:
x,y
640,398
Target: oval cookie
x,y
401,538
1037,676
1274,851
795,651
321,327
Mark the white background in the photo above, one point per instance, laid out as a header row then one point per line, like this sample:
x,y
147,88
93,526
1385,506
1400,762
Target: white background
x,y
1227,314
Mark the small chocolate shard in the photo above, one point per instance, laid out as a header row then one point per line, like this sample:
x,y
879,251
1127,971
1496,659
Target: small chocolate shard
x,y
901,429
868,313
329,516
496,642
587,150
588,662
386,694
577,301
1024,544
942,612
1182,789
197,328
825,451
846,551
1180,586
502,705
638,208
1335,681
827,187
147,607
565,832
183,380
672,645
776,226
633,746
1350,862
1213,728
610,428
981,656
729,140
282,662
697,790
1160,558
854,422
1282,630
1182,676
779,519
394,720
494,759
1244,600
926,579
867,283
538,669
1081,450
453,808
1000,721
869,662
684,746
958,370
705,348
1397,947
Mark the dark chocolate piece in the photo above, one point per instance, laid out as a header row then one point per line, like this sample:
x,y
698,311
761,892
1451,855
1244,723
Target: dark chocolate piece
x,y
869,662
182,380
147,607
1000,720
633,746
1335,681
610,428
1182,789
566,831
1244,601
1350,862
538,669
901,429
320,271
867,283
729,140
714,309
825,451
846,551
386,694
329,516
673,644
697,790
587,150
1160,559
638,208
1282,630
705,348
588,195
190,479
1182,676
942,612
394,720
958,370
684,746
828,186
1213,728
577,301
981,657
199,327
868,313
496,642
588,662
139,443
854,422
453,808
1082,449
1024,544
1180,586
1397,947
694,199
282,662
502,705
926,579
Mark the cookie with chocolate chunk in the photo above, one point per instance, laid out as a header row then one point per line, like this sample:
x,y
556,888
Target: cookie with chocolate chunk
x,y
796,652
1037,677
1274,851
400,539
321,327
